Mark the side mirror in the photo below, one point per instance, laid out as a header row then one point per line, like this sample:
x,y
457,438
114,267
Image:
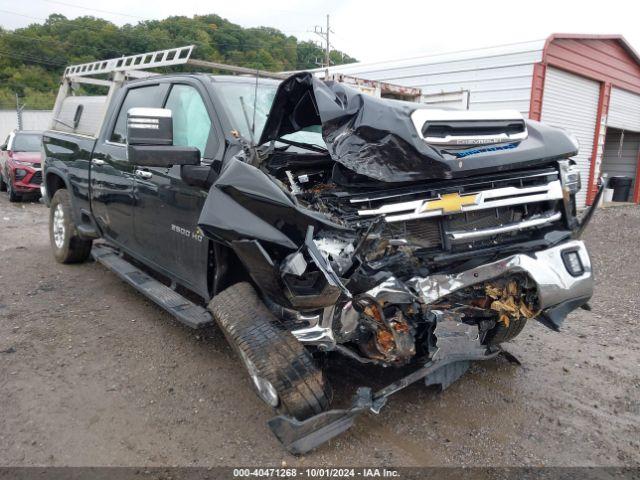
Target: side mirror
x,y
3,147
150,140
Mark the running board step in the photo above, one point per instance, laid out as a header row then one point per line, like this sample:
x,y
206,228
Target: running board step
x,y
185,311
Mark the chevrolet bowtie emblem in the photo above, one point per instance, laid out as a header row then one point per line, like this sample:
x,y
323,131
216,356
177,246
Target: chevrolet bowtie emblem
x,y
449,203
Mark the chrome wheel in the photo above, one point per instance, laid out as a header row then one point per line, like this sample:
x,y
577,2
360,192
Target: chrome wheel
x,y
266,390
58,226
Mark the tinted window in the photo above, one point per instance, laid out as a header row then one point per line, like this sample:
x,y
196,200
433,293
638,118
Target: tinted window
x,y
191,121
150,97
26,142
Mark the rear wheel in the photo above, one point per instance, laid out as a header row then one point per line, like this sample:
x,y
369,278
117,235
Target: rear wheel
x,y
67,246
281,370
503,333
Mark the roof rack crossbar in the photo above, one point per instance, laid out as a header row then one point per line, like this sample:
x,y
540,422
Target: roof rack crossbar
x,y
141,61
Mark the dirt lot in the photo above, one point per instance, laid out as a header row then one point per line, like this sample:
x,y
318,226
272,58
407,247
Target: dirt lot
x,y
93,374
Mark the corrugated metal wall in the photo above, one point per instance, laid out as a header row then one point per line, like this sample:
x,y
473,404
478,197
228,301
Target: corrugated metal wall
x,y
624,110
577,115
31,120
497,78
603,59
621,154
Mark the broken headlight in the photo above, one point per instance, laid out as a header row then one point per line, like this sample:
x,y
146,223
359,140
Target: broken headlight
x,y
570,177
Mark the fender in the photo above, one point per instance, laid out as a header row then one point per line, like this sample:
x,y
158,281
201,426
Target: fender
x,y
51,172
69,159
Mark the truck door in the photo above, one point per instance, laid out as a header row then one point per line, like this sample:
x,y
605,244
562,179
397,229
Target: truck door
x,y
167,209
112,176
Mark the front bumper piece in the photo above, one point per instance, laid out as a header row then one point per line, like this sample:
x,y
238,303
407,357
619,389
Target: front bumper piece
x,y
558,288
559,291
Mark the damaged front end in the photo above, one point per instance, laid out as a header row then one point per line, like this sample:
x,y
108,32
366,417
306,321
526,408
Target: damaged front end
x,y
416,238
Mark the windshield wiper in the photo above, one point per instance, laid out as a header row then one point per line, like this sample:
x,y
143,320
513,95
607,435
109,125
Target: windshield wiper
x,y
306,146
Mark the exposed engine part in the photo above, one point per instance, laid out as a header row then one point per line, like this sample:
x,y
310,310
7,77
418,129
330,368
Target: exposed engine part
x,y
338,251
293,184
390,337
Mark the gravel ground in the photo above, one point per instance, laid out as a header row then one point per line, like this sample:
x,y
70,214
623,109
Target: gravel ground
x,y
91,373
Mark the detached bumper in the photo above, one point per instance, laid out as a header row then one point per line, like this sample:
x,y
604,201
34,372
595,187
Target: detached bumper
x,y
562,274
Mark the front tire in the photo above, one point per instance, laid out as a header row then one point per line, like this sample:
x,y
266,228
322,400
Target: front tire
x,y
13,196
503,333
3,184
281,370
67,246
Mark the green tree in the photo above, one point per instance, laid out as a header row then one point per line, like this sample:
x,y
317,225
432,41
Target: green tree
x,y
33,58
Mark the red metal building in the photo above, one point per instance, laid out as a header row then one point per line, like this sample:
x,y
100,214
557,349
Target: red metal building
x,y
601,67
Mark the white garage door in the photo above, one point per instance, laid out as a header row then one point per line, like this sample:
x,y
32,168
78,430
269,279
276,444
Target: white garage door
x,y
571,101
624,110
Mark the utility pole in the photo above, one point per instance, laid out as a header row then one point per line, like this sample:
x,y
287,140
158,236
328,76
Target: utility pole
x,y
327,58
19,111
324,34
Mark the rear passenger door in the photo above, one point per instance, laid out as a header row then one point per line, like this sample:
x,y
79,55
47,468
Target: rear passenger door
x,y
112,177
167,209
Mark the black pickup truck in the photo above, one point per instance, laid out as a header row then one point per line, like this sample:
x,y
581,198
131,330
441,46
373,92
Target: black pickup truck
x,y
310,220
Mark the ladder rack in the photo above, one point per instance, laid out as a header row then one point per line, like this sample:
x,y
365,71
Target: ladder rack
x,y
115,71
134,66
142,61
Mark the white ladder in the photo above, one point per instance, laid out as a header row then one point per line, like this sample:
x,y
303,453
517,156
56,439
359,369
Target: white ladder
x,y
142,61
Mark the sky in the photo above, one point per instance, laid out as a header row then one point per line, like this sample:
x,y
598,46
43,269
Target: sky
x,y
370,30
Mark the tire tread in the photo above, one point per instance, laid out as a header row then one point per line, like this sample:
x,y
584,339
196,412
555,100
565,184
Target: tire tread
x,y
250,326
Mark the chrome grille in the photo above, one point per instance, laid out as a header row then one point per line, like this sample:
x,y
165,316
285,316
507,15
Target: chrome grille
x,y
422,233
501,207
484,219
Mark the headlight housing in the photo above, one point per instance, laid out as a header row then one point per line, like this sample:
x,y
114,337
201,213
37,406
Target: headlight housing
x,y
20,162
570,177
20,173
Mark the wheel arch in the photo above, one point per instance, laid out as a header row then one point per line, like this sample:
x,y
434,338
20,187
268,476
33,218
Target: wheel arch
x,y
54,181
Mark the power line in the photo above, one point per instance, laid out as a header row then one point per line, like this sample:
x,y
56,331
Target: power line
x,y
111,12
94,9
29,58
49,40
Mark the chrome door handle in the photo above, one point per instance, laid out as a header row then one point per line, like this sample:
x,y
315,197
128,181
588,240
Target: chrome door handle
x,y
97,161
143,174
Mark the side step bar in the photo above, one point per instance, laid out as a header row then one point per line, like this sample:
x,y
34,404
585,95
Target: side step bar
x,y
185,311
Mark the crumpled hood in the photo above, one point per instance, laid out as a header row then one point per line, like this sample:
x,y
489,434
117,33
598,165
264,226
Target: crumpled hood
x,y
377,138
